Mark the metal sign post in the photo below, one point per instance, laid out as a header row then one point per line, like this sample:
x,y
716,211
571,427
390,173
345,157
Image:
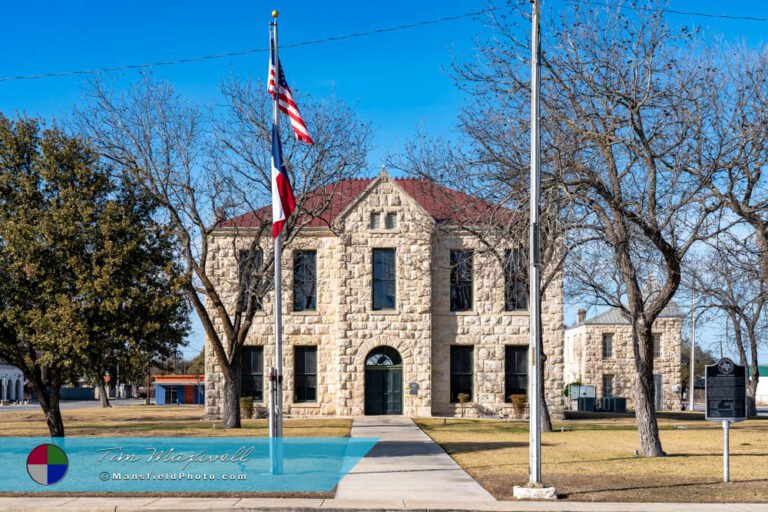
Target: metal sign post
x,y
726,451
726,400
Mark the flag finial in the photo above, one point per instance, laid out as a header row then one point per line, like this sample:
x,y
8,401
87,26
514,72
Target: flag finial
x,y
275,14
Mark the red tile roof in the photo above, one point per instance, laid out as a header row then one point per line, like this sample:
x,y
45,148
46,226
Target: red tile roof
x,y
443,204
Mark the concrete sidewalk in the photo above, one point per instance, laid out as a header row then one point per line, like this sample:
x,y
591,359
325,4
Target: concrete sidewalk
x,y
406,465
319,505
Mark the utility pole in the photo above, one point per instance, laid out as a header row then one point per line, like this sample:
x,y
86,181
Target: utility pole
x,y
535,488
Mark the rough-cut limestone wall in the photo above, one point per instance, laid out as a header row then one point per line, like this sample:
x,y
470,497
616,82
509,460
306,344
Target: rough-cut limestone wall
x,y
489,328
585,363
345,328
299,328
408,327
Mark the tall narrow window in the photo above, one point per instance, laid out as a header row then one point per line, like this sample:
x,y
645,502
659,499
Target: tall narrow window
x,y
461,280
383,279
375,220
249,263
515,371
656,344
607,346
304,280
252,375
305,374
607,386
515,281
390,220
462,362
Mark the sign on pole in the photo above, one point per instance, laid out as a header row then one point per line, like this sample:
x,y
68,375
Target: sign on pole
x,y
726,400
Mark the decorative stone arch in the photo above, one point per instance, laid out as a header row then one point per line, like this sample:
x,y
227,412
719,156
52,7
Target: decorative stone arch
x,y
356,378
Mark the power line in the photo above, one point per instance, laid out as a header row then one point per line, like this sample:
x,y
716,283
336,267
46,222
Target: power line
x,y
358,35
247,52
671,11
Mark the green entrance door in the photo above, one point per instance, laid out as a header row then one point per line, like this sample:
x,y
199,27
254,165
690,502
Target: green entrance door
x,y
383,382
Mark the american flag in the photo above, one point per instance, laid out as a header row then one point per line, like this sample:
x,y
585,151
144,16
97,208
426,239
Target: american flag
x,y
285,101
283,202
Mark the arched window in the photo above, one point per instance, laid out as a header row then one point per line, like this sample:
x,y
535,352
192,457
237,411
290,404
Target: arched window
x,y
383,356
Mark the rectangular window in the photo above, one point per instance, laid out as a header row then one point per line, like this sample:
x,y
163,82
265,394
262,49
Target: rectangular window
x,y
252,375
515,371
171,395
304,280
515,281
250,263
383,279
607,386
461,280
607,346
656,345
305,374
462,363
390,221
375,220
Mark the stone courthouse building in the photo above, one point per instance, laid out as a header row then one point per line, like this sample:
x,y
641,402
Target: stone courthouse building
x,y
392,306
598,352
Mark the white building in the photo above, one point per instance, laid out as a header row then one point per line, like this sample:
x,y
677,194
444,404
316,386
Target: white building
x,y
11,383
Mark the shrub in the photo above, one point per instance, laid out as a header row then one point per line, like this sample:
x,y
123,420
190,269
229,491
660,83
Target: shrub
x,y
246,407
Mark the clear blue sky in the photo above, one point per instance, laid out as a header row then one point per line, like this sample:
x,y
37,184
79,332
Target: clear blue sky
x,y
396,80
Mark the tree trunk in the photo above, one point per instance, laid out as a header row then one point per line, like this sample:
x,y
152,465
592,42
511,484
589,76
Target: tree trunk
x,y
230,408
53,417
148,400
645,390
546,421
645,414
751,392
49,402
103,396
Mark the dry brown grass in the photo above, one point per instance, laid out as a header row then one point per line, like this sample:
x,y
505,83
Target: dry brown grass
x,y
595,461
154,421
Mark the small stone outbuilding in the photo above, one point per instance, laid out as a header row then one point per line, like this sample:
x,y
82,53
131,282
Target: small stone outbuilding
x,y
598,352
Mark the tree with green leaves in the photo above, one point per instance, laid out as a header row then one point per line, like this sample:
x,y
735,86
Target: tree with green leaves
x,y
88,276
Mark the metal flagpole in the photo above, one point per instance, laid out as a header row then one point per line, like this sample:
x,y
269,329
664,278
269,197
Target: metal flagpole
x,y
534,355
276,373
278,266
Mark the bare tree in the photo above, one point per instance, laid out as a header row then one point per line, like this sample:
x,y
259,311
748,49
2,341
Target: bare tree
x,y
729,281
203,168
625,108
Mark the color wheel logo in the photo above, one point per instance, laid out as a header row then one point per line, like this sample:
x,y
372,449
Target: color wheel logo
x,y
47,464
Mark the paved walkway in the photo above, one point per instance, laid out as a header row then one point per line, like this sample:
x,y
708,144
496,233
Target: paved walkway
x,y
406,465
318,505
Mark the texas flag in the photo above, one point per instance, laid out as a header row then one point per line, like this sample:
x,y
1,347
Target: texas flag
x,y
283,202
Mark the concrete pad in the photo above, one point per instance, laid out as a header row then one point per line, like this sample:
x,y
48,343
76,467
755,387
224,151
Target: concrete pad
x,y
407,465
526,492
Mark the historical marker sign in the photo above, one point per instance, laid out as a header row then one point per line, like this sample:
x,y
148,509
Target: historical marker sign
x,y
726,391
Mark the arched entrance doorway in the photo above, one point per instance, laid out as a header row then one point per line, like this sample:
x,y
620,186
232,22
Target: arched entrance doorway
x,y
19,391
383,382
